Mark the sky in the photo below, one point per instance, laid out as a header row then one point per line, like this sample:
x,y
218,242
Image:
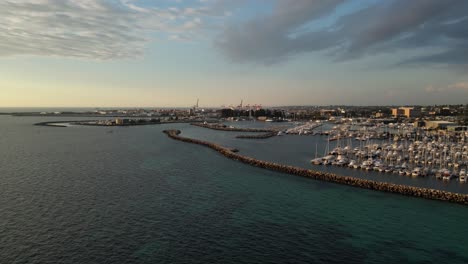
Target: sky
x,y
163,53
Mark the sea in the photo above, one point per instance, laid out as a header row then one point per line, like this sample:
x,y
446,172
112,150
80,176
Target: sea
x,y
131,195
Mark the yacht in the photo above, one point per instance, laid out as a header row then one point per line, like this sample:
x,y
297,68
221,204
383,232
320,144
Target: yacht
x,y
446,175
463,176
382,168
416,172
389,169
317,161
327,160
341,160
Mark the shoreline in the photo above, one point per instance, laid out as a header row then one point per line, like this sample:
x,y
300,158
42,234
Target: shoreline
x,y
406,190
83,123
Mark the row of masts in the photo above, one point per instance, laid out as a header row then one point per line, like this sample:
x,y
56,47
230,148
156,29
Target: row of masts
x,y
407,151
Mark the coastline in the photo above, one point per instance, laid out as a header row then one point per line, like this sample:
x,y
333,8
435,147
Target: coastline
x,y
85,123
426,193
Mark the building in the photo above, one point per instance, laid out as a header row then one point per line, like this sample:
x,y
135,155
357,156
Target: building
x,y
405,111
379,115
419,123
120,121
457,128
439,124
327,112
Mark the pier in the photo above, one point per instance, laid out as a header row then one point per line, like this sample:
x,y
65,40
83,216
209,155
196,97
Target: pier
x,y
329,177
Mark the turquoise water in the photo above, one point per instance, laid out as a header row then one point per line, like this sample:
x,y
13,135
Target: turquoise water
x,y
84,195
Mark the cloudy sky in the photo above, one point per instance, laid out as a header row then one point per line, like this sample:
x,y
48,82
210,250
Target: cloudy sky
x,y
99,53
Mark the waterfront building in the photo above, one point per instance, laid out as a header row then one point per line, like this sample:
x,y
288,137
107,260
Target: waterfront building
x,y
119,121
419,123
436,124
379,115
457,128
405,111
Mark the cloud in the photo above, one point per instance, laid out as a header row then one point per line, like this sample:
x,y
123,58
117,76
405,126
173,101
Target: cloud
x,y
266,39
381,27
91,29
115,29
456,87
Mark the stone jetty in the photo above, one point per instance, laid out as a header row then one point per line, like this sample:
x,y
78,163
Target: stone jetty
x,y
260,136
217,126
330,177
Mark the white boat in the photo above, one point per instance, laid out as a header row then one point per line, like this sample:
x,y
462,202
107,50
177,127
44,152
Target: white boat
x,y
463,176
416,172
328,160
388,170
317,161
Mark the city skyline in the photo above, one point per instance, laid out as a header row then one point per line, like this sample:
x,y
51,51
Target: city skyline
x,y
130,53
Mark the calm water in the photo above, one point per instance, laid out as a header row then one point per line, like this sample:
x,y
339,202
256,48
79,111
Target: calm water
x,y
85,195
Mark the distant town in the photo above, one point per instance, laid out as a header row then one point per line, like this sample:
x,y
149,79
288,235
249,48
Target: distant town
x,y
450,117
416,141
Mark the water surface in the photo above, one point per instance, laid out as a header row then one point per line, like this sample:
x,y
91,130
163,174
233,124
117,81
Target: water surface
x,y
89,195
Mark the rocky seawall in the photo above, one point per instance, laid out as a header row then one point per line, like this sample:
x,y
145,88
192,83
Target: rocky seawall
x,y
330,177
261,136
221,127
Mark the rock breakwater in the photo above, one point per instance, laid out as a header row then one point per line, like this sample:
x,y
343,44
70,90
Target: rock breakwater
x,y
261,136
217,126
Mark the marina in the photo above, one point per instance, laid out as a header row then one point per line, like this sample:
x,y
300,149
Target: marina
x,y
408,151
356,182
299,150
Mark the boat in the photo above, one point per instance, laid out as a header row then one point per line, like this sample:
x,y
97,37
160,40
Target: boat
x,y
328,160
446,175
352,163
389,169
416,172
317,161
463,176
